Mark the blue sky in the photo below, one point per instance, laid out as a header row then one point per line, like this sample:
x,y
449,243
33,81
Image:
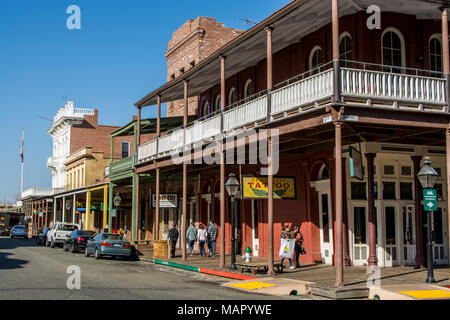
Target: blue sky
x,y
113,61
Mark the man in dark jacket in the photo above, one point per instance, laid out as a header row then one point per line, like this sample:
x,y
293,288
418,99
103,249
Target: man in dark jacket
x,y
173,237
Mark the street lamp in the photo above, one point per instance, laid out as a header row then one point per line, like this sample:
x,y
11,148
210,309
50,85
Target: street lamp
x,y
232,186
117,200
427,177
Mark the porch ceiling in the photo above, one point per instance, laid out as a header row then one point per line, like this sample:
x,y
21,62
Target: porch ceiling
x,y
292,22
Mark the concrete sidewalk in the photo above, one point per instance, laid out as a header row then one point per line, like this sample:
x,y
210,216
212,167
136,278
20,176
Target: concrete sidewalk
x,y
320,276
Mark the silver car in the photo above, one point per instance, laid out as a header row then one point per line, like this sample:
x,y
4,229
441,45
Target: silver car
x,y
19,232
106,244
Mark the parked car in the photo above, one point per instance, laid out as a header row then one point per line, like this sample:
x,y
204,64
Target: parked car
x,y
42,236
106,244
19,231
5,231
77,240
59,232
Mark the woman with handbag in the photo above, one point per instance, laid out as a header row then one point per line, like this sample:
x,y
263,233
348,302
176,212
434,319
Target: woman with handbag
x,y
298,249
286,235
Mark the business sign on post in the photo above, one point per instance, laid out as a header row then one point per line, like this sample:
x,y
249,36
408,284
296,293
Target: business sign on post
x,y
356,167
430,199
166,200
257,188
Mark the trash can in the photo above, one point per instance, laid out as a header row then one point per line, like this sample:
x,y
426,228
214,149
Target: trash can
x,y
160,249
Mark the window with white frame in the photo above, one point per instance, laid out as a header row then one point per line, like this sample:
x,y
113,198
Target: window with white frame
x,y
218,103
345,48
232,97
436,53
393,50
248,90
125,149
205,109
315,59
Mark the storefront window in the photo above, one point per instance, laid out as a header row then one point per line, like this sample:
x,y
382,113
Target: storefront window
x,y
389,191
389,170
360,225
406,191
408,226
406,171
359,191
438,187
390,226
438,237
325,219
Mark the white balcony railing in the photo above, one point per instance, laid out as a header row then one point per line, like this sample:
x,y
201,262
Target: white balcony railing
x,y
393,86
70,112
308,91
40,192
53,162
79,153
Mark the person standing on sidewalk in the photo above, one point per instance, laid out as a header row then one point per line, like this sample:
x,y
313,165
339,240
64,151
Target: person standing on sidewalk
x,y
201,237
173,237
298,236
287,236
191,236
212,231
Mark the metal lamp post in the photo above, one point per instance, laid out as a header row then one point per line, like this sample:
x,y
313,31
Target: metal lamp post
x,y
427,177
117,200
232,186
68,207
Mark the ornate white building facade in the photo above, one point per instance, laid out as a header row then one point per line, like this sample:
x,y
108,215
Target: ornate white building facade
x,y
63,121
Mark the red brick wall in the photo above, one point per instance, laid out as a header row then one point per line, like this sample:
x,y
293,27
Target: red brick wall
x,y
193,42
366,46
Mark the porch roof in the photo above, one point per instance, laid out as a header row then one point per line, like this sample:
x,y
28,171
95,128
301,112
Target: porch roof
x,y
291,23
148,126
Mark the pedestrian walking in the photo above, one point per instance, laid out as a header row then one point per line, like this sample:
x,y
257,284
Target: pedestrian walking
x,y
298,248
191,236
201,237
125,231
212,231
287,246
173,238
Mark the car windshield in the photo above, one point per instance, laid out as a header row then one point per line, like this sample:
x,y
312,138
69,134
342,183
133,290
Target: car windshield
x,y
67,227
85,233
112,237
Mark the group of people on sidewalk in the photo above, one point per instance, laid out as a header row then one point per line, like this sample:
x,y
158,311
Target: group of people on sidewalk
x,y
203,236
291,244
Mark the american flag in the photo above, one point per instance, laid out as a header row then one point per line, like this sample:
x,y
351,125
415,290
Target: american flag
x,y
21,150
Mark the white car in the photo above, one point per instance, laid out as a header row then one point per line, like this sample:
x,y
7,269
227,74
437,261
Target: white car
x,y
59,232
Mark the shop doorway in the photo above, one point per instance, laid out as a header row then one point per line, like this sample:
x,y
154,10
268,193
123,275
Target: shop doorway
x,y
439,236
408,228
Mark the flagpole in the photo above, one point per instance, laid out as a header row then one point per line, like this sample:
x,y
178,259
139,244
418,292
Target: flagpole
x,y
21,175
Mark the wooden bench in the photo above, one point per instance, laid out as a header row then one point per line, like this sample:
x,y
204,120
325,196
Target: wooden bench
x,y
256,267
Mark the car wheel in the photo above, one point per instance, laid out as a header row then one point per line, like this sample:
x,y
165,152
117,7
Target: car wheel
x,y
86,253
52,244
97,254
73,249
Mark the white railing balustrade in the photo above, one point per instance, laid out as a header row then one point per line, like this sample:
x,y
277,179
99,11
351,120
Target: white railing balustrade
x,y
147,150
393,86
304,92
245,114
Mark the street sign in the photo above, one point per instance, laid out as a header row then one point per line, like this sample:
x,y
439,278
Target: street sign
x,y
430,199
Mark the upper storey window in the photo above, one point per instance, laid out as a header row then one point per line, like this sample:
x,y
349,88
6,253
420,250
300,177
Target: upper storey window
x,y
315,59
436,53
218,104
248,90
205,109
232,97
345,49
393,50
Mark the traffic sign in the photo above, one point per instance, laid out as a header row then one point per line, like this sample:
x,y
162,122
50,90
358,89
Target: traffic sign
x,y
430,199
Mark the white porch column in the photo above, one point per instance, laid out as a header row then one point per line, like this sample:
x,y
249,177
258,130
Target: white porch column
x,y
74,209
64,210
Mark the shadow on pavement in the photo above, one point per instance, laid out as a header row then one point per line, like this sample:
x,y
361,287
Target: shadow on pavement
x,y
7,244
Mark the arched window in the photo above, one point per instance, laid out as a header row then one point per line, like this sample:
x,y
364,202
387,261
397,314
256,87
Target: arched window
x,y
205,109
323,173
248,90
345,48
436,53
232,97
218,103
393,50
315,59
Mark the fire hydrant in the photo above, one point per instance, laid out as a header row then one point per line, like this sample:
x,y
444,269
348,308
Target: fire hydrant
x,y
248,255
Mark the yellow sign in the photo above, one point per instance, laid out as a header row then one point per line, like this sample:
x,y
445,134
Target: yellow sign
x,y
257,188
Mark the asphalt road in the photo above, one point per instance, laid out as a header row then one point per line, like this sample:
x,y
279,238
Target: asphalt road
x,y
35,272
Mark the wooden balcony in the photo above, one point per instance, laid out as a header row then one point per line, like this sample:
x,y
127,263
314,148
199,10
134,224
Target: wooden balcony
x,y
360,83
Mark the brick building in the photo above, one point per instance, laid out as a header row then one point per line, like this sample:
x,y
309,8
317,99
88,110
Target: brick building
x,y
191,43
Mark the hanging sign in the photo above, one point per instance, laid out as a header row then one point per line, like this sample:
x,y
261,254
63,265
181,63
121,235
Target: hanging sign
x,y
257,188
166,200
356,169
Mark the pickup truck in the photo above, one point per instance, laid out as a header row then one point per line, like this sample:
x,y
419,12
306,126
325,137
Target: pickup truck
x,y
59,233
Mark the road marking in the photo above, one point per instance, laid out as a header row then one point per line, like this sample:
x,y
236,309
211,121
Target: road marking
x,y
252,285
427,294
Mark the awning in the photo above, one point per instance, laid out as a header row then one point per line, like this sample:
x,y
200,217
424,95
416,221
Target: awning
x,y
292,22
